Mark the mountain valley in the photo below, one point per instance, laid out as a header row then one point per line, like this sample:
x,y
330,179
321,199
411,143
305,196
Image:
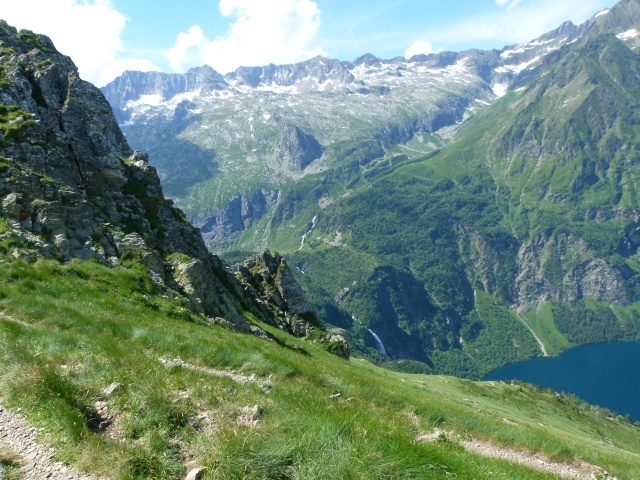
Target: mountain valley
x,y
440,215
483,201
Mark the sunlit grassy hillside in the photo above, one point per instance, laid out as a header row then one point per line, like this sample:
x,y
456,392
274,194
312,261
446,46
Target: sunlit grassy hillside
x,y
69,331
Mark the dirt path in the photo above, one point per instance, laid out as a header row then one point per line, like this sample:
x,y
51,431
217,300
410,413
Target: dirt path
x,y
19,437
537,461
4,316
542,347
236,377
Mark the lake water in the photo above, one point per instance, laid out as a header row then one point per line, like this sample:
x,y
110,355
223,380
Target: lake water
x,y
607,375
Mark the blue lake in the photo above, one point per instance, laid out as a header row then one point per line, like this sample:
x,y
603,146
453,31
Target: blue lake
x,y
607,375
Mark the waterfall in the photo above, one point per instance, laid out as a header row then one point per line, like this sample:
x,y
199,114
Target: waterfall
x,y
378,341
304,237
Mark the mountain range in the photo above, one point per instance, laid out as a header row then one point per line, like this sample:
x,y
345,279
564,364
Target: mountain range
x,y
130,351
455,204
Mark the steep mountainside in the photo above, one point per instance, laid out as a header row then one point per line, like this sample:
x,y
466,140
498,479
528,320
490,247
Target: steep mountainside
x,y
71,188
477,197
534,204
114,362
527,222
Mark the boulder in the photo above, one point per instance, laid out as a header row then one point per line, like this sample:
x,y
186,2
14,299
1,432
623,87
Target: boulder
x,y
336,343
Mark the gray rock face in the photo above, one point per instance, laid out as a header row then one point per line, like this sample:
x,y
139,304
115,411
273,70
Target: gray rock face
x,y
558,266
225,225
562,267
297,148
131,85
278,293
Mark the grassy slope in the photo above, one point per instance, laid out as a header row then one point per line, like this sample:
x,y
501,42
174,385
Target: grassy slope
x,y
541,321
86,326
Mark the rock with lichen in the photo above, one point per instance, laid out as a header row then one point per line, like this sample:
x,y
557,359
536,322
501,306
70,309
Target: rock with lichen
x,y
269,279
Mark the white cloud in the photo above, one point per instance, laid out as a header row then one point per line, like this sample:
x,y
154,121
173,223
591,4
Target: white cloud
x,y
262,32
510,3
419,47
88,31
187,44
513,25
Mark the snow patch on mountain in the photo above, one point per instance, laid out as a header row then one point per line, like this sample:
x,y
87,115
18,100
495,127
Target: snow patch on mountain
x,y
154,100
275,88
603,12
509,53
459,66
517,68
538,43
189,96
534,46
500,89
629,34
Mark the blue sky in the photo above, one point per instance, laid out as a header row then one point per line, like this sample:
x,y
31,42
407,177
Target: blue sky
x,y
105,37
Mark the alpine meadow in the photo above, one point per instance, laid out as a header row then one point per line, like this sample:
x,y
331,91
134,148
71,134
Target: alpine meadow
x,y
303,271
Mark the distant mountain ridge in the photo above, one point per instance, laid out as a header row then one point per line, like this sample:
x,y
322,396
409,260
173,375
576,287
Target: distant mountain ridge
x,y
334,74
456,201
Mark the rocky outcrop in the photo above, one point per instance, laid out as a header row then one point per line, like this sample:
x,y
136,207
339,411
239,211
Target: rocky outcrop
x,y
277,292
562,267
296,148
72,188
336,343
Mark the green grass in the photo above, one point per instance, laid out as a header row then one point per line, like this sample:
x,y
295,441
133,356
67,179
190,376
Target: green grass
x,y
87,326
541,321
5,164
4,226
10,464
14,121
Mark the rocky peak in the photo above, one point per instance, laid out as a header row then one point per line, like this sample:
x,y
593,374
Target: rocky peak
x,y
319,69
297,148
278,292
72,134
565,30
622,20
132,85
367,60
435,60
